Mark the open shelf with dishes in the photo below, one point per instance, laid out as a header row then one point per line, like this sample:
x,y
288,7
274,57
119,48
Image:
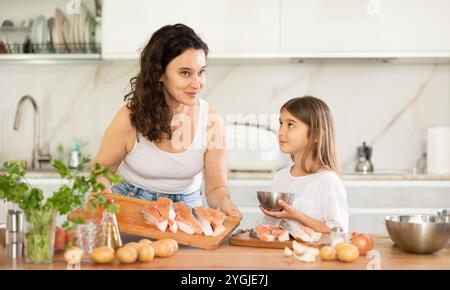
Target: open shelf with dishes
x,y
61,33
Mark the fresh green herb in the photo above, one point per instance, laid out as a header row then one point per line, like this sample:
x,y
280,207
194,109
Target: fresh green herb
x,y
72,194
79,185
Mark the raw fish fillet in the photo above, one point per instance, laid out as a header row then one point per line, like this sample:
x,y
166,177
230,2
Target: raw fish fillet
x,y
153,216
165,207
300,233
269,233
211,220
185,219
164,214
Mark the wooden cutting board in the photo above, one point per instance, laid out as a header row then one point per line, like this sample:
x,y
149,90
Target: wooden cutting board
x,y
132,222
245,240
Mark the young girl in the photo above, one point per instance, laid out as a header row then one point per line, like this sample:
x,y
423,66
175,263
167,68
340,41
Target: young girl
x,y
307,134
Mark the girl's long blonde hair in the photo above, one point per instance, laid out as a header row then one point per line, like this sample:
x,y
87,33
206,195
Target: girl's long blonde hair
x,y
321,144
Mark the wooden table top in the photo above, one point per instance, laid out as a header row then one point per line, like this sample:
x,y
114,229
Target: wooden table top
x,y
237,258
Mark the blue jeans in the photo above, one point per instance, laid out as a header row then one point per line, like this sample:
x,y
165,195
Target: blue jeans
x,y
192,199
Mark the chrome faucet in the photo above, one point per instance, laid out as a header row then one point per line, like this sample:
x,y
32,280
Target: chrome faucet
x,y
38,157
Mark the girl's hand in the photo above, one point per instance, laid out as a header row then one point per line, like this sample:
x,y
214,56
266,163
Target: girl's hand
x,y
288,212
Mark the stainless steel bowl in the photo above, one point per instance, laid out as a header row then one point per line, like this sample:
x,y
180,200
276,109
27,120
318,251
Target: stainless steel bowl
x,y
421,234
269,200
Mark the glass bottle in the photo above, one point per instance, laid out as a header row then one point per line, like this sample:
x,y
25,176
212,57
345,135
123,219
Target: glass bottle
x,y
108,233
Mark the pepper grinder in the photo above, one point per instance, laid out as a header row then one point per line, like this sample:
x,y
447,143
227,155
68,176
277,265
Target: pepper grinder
x,y
14,232
337,234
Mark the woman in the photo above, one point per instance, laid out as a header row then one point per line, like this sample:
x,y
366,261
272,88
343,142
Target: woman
x,y
160,142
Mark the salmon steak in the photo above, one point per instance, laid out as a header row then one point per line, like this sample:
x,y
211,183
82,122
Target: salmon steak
x,y
211,220
152,215
161,214
165,214
300,233
185,219
165,207
270,233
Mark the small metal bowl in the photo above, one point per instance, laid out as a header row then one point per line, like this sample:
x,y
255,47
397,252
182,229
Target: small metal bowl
x,y
421,234
269,200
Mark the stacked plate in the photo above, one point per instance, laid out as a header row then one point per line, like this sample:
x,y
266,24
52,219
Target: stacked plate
x,y
40,35
83,31
59,34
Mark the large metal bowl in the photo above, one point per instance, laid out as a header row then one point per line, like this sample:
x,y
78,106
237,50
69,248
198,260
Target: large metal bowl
x,y
421,234
269,200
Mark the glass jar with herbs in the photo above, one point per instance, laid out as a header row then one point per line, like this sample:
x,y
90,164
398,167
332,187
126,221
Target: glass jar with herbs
x,y
40,213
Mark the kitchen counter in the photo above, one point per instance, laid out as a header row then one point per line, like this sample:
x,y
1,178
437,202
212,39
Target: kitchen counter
x,y
352,176
231,257
239,175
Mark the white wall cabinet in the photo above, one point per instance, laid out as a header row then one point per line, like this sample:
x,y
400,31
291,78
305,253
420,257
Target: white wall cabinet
x,y
287,28
365,26
227,26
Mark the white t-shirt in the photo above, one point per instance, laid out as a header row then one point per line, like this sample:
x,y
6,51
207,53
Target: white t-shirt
x,y
321,196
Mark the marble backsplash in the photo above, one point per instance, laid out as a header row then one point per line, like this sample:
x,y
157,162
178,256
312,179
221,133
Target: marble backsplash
x,y
388,105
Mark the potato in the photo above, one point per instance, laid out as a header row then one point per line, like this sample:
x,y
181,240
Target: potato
x,y
163,248
102,255
73,255
172,241
145,242
127,255
348,253
328,253
339,246
146,254
134,245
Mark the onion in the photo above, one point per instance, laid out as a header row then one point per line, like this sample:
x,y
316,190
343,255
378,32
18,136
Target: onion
x,y
73,255
363,242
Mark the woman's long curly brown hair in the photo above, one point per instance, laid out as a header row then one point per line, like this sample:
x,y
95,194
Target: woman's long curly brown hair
x,y
150,114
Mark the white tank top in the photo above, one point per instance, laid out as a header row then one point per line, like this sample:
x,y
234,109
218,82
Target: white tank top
x,y
151,168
